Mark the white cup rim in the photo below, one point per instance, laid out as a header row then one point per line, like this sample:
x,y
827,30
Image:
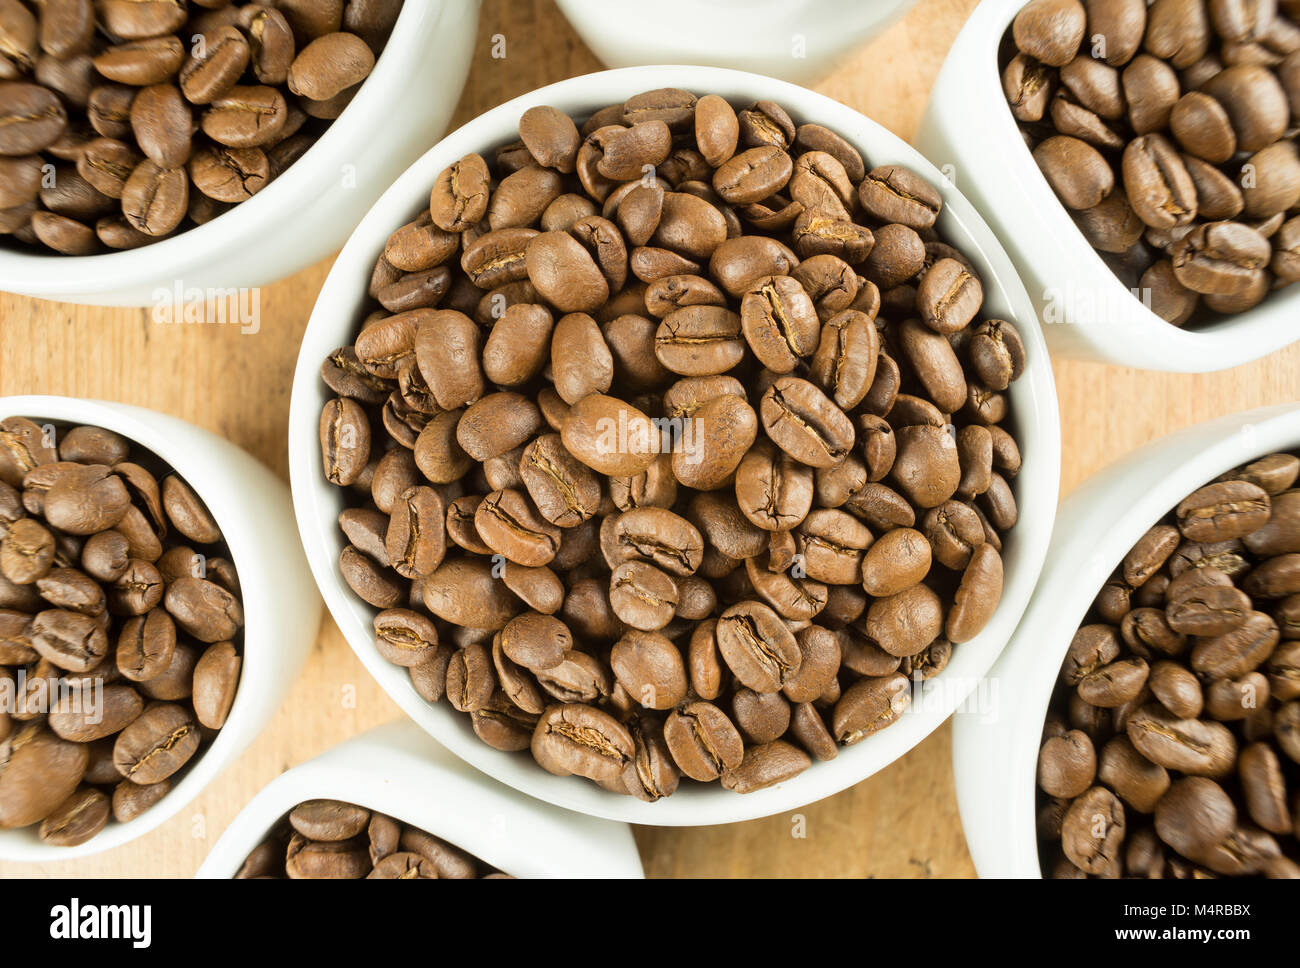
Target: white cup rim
x,y
191,452
995,761
969,122
257,221
398,770
1035,407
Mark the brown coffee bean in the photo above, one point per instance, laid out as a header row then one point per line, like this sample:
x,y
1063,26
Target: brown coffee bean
x,y
869,705
157,744
703,741
1192,746
464,591
1093,830
764,766
574,738
649,667
977,597
757,646
609,436
1067,764
779,322
699,340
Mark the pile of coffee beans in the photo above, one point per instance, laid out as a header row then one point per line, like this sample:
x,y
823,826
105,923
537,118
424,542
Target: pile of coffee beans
x,y
1168,132
332,840
124,122
673,444
120,644
1172,748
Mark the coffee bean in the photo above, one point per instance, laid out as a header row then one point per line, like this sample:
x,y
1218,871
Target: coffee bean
x,y
204,609
1050,30
703,742
329,64
1067,765
764,766
574,738
1077,172
83,718
216,678
77,819
779,322
157,744
757,646
328,820
869,705
894,194
1093,831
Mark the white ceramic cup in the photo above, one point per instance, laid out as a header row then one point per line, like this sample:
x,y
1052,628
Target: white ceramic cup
x,y
995,751
334,323
396,769
795,40
306,213
968,130
281,608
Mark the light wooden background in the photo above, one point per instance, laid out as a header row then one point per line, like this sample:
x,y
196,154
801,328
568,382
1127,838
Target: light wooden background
x,y
901,822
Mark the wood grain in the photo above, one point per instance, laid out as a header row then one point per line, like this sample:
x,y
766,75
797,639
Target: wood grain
x,y
901,822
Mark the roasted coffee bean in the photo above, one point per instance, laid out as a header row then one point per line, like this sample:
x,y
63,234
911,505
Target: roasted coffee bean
x,y
757,646
894,194
157,744
328,820
773,490
703,742
1067,765
869,705
77,819
204,609
1092,831
1220,258
700,340
804,423
1077,172
779,322
216,679
464,591
650,668
573,738
764,766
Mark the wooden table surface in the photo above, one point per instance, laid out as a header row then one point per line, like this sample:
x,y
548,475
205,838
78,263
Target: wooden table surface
x,y
902,821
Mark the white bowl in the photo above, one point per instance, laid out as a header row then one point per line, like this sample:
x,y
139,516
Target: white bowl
x,y
307,212
795,40
968,131
995,756
334,322
281,609
396,769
